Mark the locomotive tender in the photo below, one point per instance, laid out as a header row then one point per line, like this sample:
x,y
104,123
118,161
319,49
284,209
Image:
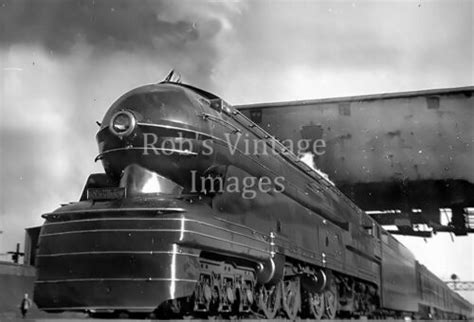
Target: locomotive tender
x,y
185,221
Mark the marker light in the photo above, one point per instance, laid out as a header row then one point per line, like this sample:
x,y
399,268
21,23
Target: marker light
x,y
122,123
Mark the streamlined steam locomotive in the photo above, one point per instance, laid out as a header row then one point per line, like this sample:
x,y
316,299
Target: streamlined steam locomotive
x,y
200,212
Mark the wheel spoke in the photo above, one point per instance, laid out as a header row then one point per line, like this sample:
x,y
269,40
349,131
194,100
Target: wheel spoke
x,y
269,300
316,305
331,301
291,297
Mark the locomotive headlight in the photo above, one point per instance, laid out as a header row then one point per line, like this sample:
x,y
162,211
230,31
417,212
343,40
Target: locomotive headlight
x,y
122,123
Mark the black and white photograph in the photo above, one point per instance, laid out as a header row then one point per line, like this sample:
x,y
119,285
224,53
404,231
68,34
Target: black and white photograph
x,y
236,160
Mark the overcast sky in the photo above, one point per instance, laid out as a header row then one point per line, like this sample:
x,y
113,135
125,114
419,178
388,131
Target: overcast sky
x,y
62,63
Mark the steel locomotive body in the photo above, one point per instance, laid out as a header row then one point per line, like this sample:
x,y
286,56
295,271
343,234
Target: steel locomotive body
x,y
201,212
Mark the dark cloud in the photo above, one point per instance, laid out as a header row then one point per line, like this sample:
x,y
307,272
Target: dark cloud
x,y
64,63
168,31
108,24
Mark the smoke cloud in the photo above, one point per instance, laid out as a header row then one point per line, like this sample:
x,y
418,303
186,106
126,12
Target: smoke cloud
x,y
63,63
